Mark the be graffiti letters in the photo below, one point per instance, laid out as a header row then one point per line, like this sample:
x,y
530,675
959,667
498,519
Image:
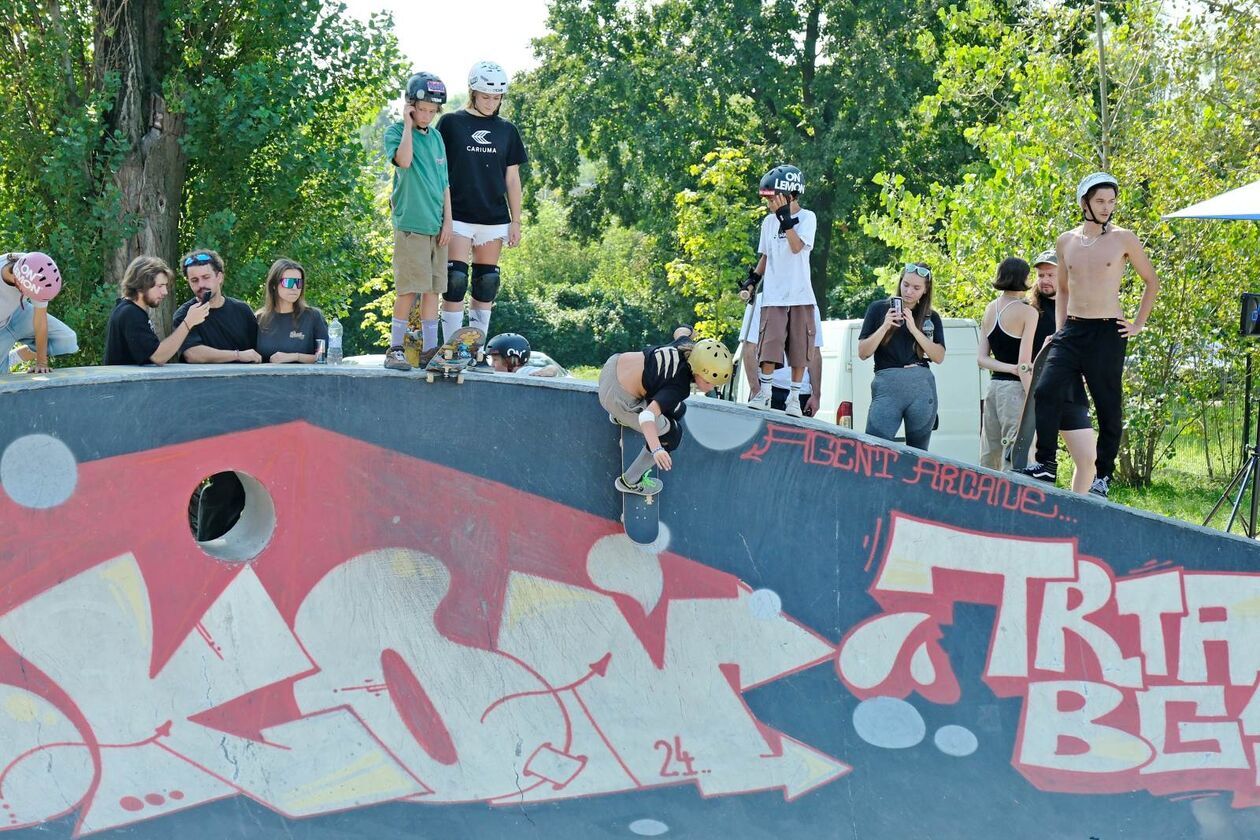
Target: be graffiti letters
x,y
1142,682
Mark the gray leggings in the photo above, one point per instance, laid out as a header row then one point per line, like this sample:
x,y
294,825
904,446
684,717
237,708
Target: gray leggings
x,y
903,394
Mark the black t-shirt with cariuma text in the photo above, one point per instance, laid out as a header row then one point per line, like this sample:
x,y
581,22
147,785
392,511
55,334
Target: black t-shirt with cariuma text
x,y
230,327
901,350
479,151
666,376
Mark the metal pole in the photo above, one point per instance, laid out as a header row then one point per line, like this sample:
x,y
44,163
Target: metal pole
x,y
1102,85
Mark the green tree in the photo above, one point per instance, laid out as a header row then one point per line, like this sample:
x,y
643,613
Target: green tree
x,y
150,126
645,91
1183,118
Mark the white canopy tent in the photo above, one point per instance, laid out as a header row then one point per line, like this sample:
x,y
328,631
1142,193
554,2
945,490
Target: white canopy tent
x,y
1242,203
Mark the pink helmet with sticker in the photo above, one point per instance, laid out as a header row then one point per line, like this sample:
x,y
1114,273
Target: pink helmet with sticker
x,y
37,276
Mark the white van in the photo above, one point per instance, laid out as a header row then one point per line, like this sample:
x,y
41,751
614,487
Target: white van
x,y
960,386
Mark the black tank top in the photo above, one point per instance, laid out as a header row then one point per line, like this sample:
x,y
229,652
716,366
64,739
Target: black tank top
x,y
1005,347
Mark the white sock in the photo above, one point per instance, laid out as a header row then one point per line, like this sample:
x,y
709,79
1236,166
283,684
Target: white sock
x,y
451,323
479,318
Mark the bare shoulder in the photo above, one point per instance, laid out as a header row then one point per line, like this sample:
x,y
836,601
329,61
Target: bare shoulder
x,y
1128,237
1065,237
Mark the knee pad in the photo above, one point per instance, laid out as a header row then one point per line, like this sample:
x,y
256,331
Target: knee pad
x,y
456,282
485,283
679,410
672,438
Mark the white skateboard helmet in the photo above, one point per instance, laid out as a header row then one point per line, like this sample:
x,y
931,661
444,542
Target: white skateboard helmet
x,y
1096,179
488,77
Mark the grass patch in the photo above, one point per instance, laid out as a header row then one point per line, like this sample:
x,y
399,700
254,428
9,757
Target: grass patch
x,y
588,372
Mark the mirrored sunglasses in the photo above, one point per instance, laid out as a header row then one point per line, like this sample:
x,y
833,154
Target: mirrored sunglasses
x,y
292,282
917,269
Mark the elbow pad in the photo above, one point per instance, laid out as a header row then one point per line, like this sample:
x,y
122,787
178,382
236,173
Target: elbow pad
x,y
646,416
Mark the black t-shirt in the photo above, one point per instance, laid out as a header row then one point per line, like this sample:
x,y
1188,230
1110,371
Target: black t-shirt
x,y
129,337
901,349
282,335
1045,324
230,327
479,151
666,376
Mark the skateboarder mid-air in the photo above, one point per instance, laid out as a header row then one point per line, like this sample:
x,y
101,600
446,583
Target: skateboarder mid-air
x,y
1091,330
645,391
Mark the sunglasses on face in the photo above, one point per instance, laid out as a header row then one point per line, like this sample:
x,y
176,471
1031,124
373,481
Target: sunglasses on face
x,y
292,282
197,259
917,269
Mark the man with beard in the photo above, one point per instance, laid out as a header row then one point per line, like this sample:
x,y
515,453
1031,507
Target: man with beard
x,y
129,338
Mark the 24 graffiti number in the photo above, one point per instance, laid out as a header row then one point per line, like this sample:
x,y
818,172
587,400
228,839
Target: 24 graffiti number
x,y
675,755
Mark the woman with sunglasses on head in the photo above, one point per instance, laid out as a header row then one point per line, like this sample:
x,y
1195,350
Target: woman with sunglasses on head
x,y
288,328
903,333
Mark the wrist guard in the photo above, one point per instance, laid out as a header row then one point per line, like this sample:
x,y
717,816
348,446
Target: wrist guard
x,y
784,215
749,284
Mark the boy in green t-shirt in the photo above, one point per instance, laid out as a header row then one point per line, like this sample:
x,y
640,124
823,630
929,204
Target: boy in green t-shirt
x,y
421,204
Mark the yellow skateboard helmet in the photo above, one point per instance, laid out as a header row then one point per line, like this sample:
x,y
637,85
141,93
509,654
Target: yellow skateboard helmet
x,y
710,358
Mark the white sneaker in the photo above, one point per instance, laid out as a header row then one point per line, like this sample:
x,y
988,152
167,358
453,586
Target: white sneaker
x,y
761,401
792,408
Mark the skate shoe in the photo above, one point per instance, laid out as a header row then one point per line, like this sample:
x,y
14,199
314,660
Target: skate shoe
x,y
396,359
1042,472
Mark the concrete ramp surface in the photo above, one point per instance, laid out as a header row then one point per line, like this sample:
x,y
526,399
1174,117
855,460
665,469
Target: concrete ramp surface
x,y
428,622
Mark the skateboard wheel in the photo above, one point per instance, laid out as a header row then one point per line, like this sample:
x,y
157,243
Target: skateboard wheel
x,y
650,499
459,379
428,377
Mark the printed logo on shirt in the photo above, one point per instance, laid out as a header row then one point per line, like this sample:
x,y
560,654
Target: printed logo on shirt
x,y
668,360
297,335
479,137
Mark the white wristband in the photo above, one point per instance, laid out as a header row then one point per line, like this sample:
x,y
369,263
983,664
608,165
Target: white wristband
x,y
646,416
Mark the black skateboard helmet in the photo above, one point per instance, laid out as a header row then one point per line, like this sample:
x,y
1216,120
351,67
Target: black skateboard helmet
x,y
426,87
784,178
511,346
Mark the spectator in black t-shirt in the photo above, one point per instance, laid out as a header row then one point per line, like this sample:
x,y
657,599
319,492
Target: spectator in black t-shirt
x,y
904,389
645,392
484,154
129,337
287,327
230,332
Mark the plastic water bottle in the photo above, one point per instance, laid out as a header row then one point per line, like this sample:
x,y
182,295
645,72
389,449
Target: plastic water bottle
x,y
334,342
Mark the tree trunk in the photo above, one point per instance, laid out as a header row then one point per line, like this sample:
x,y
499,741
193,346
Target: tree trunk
x,y
129,44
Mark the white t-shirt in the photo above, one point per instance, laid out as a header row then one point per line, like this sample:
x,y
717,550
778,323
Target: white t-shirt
x,y
751,327
11,299
786,279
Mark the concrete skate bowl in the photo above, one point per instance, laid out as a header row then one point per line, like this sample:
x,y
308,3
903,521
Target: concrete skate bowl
x,y
426,622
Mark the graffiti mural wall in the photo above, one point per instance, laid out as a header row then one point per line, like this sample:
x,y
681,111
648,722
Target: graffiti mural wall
x,y
439,629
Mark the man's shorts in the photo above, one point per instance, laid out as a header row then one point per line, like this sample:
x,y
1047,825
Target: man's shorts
x,y
786,329
480,234
419,263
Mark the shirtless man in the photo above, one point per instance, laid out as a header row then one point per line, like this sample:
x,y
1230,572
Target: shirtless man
x,y
1091,330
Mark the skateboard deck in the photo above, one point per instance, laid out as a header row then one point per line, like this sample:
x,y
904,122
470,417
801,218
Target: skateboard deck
x,y
639,514
1019,448
413,341
457,355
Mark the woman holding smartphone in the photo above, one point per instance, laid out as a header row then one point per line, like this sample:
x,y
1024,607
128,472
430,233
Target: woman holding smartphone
x,y
904,334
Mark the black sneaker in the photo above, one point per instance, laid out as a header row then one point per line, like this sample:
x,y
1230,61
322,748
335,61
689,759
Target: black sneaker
x,y
1100,486
1042,472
